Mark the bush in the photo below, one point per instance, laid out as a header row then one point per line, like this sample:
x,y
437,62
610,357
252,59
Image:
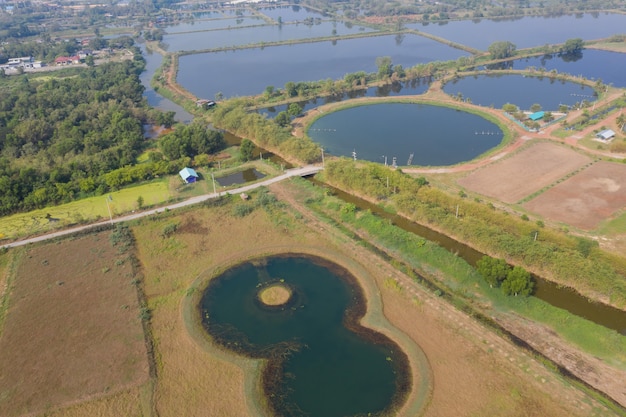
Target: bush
x,y
169,230
242,210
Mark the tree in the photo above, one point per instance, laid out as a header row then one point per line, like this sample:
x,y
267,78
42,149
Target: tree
x,y
572,46
294,110
90,61
548,116
290,88
494,270
501,50
385,68
535,107
245,150
518,282
282,119
509,108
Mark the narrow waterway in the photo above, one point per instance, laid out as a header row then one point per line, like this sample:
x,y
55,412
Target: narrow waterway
x,y
545,290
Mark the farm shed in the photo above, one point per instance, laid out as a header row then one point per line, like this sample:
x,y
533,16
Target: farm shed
x,y
537,116
605,134
188,175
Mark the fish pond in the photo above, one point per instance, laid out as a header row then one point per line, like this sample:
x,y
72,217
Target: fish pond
x,y
528,31
593,64
249,71
240,177
238,36
418,134
395,89
322,362
523,91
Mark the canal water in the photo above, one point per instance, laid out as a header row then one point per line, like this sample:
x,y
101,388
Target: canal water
x,y
322,362
547,291
153,62
414,134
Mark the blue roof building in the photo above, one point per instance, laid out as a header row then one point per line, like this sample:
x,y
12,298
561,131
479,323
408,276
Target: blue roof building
x,y
605,134
188,175
537,116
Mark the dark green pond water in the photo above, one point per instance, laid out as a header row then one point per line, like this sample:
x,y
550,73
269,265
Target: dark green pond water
x,y
322,363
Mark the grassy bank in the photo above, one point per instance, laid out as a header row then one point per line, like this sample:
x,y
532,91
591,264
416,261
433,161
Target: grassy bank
x,y
455,276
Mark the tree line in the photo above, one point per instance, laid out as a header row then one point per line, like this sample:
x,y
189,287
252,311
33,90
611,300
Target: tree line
x,y
61,137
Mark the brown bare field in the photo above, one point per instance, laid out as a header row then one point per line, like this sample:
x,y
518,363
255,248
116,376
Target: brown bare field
x,y
525,172
72,332
585,199
471,371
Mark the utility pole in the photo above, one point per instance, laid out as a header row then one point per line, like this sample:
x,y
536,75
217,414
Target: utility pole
x,y
213,179
107,199
322,157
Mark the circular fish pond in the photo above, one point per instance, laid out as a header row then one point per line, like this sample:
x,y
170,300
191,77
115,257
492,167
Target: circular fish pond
x,y
302,313
413,134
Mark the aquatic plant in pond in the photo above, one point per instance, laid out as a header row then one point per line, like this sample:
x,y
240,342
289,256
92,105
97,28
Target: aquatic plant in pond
x,y
321,361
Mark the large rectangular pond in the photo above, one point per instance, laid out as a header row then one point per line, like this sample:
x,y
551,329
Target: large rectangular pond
x,y
248,72
528,31
255,35
291,13
593,64
498,89
213,24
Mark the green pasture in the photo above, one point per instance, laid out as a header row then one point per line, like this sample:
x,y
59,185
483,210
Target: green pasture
x,y
88,209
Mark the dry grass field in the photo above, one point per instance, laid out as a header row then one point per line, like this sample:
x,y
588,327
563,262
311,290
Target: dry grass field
x,y
525,172
587,198
73,344
72,332
472,371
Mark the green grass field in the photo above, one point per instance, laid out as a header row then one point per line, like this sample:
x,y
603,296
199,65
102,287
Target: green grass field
x,y
88,209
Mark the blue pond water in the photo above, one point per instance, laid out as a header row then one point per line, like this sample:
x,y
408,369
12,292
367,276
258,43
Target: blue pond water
x,y
593,64
529,31
396,89
434,135
249,71
523,91
256,35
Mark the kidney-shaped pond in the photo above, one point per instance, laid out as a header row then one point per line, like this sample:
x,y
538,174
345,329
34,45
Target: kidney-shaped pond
x,y
418,134
302,313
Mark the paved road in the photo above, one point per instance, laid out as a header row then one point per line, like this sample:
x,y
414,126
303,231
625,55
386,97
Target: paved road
x,y
296,172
